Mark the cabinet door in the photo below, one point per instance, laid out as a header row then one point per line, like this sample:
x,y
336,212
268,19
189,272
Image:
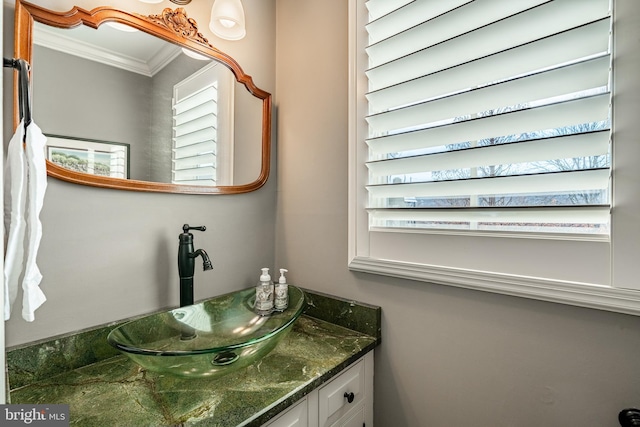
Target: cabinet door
x,y
341,395
354,418
295,416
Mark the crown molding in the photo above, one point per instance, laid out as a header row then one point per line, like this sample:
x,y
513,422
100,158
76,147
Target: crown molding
x,y
49,38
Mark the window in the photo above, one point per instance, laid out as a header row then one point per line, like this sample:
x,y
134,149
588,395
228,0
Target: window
x,y
481,146
203,128
489,115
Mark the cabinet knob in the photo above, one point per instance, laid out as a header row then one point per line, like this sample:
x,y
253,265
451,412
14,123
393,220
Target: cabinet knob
x,y
629,417
349,396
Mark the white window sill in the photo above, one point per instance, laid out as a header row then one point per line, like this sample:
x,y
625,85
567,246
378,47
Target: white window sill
x,y
576,294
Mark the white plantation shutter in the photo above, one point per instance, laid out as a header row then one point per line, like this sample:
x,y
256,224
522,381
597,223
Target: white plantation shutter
x,y
489,114
203,127
195,137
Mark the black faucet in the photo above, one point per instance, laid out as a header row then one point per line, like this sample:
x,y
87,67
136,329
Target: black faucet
x,y
186,263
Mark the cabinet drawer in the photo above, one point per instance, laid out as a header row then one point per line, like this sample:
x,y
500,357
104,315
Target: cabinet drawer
x,y
296,416
343,393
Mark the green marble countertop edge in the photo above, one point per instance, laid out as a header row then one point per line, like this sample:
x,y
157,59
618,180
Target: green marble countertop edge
x,y
320,345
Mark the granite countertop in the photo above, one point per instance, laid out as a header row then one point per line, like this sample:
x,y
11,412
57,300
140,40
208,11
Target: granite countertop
x,y
104,388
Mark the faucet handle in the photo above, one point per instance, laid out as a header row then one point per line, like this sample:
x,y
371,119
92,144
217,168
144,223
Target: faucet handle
x,y
186,228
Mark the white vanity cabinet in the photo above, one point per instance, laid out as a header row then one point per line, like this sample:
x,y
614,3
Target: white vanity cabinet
x,y
345,401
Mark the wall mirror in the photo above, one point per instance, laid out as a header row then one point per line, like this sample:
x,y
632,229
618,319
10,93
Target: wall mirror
x,y
142,103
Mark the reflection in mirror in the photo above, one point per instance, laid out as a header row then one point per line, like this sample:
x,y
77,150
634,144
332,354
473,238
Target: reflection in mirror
x,y
189,123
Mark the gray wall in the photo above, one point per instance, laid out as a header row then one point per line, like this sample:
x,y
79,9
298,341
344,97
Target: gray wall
x,y
107,255
79,98
449,357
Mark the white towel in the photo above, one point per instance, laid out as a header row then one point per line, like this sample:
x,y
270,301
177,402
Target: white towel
x,y
28,184
15,178
37,178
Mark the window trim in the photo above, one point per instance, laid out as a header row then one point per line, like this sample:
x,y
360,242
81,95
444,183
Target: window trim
x,y
620,294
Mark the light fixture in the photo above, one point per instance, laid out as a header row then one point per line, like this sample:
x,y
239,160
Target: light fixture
x,y
180,2
227,19
195,55
121,27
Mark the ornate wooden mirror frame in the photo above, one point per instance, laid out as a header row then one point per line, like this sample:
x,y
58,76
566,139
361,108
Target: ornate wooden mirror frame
x,y
171,25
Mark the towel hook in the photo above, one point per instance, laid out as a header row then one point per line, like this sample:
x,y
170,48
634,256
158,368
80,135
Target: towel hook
x,y
24,97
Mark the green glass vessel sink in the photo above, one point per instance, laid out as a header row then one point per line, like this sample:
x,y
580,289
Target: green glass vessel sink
x,y
207,339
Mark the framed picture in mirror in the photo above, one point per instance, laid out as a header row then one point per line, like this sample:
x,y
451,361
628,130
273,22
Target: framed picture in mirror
x,y
90,156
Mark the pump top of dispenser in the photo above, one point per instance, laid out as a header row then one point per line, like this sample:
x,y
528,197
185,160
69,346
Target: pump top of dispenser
x,y
265,277
282,278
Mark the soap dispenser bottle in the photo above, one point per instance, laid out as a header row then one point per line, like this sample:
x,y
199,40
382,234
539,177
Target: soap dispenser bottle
x,y
264,294
281,301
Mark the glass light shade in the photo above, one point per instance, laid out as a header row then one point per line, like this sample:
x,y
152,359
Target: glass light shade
x,y
227,19
195,55
122,27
